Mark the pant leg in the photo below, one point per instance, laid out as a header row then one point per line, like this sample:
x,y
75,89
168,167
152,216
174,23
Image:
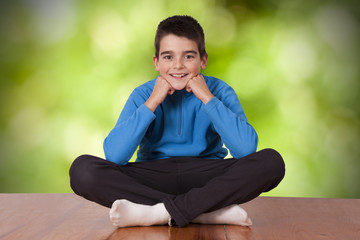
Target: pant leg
x,y
104,182
170,181
243,180
146,183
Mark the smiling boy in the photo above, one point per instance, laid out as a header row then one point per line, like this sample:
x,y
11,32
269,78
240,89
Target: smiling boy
x,y
180,121
179,65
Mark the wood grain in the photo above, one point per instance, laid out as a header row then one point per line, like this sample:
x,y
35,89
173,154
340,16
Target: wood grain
x,y
300,218
67,216
52,216
191,232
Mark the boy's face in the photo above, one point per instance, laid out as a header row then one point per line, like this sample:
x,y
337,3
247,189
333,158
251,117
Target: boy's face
x,y
179,60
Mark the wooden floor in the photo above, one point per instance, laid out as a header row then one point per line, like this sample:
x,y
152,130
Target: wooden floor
x,y
66,216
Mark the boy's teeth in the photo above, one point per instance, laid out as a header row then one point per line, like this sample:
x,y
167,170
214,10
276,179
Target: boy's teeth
x,y
178,75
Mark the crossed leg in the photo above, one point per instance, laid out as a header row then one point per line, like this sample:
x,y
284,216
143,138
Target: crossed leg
x,y
124,213
146,194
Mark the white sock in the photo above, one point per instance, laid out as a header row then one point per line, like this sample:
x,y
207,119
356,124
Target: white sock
x,y
124,213
232,214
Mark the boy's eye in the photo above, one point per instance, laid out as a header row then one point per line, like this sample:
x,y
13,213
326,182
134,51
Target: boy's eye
x,y
189,56
167,57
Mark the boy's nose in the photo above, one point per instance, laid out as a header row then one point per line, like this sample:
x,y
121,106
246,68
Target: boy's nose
x,y
178,63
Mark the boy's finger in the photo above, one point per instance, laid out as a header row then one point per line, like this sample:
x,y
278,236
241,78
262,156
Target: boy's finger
x,y
171,89
199,77
188,88
188,84
161,78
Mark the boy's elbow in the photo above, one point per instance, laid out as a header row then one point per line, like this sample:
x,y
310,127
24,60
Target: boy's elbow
x,y
253,144
252,148
113,158
247,147
244,151
110,155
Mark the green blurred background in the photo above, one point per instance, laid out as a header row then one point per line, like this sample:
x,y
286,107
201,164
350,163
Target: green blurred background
x,y
67,68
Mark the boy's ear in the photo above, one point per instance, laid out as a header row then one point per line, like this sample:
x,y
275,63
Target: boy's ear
x,y
204,61
156,63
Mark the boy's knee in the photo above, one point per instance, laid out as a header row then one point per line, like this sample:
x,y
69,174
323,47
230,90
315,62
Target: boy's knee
x,y
274,161
80,173
78,165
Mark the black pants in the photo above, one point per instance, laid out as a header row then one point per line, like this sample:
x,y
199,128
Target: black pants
x,y
187,186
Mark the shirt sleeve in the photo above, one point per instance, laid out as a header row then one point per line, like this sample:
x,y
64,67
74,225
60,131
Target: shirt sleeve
x,y
230,122
129,130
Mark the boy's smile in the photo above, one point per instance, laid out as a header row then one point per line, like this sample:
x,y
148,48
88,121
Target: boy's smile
x,y
179,60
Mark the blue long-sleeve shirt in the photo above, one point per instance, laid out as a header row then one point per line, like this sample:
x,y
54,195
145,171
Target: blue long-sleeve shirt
x,y
181,126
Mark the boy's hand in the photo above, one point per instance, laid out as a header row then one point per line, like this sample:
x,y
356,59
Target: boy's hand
x,y
198,86
161,89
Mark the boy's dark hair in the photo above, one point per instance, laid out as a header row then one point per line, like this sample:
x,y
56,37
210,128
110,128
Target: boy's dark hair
x,y
182,26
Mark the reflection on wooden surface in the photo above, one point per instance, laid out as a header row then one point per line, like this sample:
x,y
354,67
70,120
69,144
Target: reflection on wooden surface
x,y
67,216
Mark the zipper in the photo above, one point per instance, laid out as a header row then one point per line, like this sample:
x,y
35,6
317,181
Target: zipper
x,y
180,116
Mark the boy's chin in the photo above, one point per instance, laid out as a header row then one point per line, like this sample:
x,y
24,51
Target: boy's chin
x,y
178,86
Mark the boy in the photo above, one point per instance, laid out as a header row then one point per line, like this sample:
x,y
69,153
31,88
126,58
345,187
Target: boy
x,y
180,121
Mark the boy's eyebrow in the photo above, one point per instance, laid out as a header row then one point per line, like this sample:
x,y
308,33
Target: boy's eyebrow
x,y
186,52
191,51
165,52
